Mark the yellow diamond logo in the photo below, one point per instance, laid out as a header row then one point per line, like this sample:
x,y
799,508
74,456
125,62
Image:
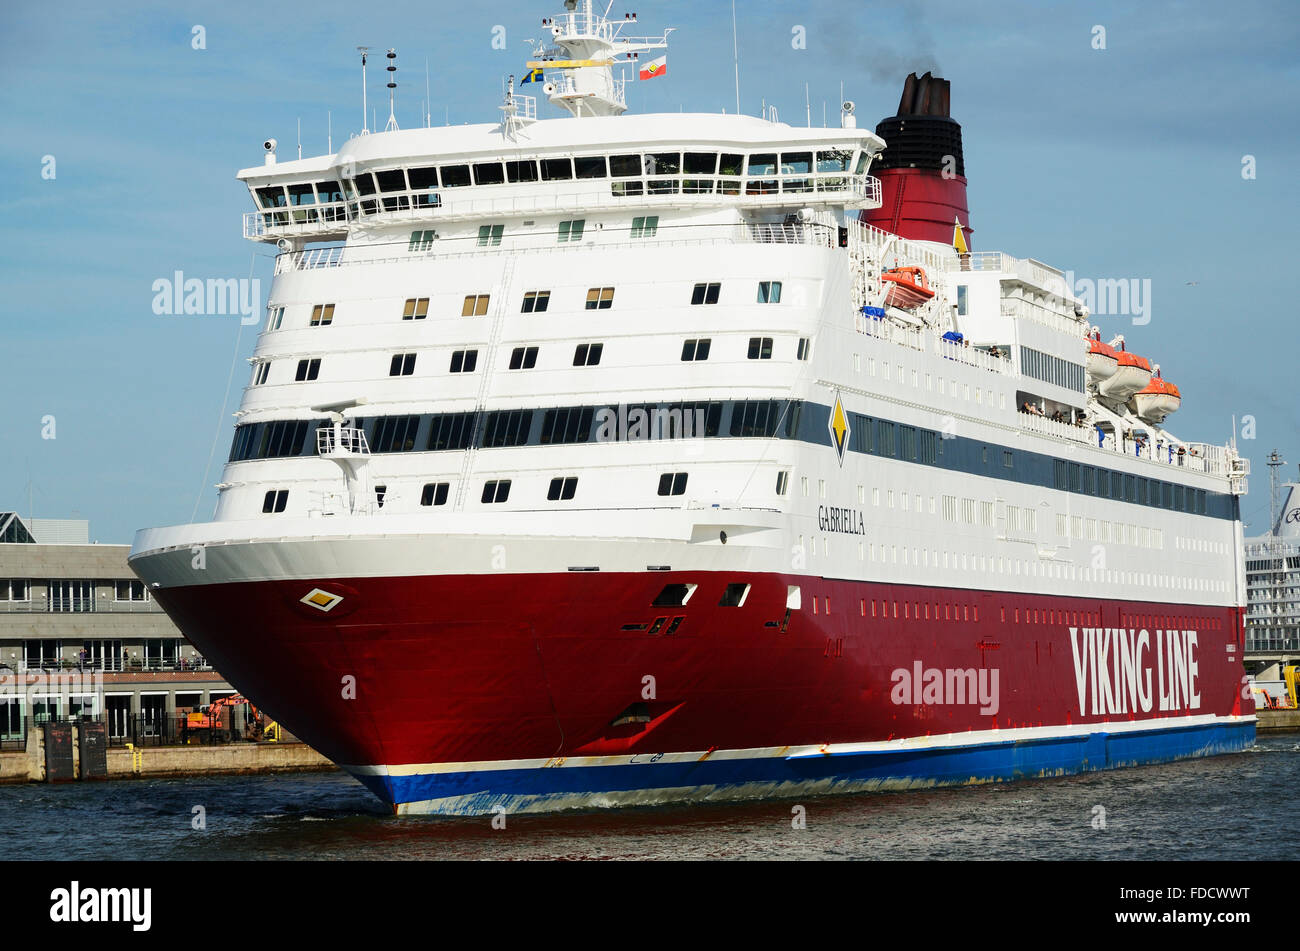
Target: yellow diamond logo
x,y
322,600
839,428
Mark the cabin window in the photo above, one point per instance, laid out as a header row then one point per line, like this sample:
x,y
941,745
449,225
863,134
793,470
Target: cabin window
x,y
962,299
600,298
489,173
422,240
525,171
571,231
557,170
260,373
625,166
769,292
476,305
587,354
562,489
496,490
536,302
403,364
393,180
455,176
435,493
672,483
734,595
782,482
464,361
490,235
804,347
696,349
673,595
706,293
760,348
275,501
307,370
322,315
645,227
523,358
416,308
591,166
277,318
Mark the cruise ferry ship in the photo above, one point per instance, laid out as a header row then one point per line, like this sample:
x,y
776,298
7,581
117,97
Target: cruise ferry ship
x,y
613,459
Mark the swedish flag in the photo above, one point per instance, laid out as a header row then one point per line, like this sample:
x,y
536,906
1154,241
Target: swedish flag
x,y
532,76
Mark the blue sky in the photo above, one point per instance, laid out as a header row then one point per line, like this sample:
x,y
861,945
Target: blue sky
x,y
1116,163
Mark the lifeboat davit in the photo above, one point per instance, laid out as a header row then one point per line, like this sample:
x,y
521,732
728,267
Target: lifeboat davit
x,y
1156,400
907,287
1132,373
1103,361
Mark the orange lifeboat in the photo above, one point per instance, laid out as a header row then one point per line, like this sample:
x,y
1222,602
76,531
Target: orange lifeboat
x,y
1132,373
1156,400
908,287
1103,360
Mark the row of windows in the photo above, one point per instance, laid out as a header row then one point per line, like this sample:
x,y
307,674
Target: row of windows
x,y
525,358
1103,483
534,302
1051,369
798,171
72,594
561,489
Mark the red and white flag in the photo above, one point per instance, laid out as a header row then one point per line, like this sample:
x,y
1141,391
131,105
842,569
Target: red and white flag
x,y
654,68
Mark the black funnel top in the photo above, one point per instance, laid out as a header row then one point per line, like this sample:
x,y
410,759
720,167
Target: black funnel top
x,y
922,133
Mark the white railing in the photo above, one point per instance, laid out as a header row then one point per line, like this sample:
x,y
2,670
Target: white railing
x,y
471,202
343,440
1027,310
928,340
1028,270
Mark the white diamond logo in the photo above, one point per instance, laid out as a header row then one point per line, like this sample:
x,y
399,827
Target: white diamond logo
x,y
321,600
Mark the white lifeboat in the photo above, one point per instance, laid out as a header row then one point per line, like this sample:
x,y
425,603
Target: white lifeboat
x,y
1132,373
1156,400
1103,360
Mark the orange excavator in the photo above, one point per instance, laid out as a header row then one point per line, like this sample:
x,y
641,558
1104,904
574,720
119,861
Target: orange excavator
x,y
209,717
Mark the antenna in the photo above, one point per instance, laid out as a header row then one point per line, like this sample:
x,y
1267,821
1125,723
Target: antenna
x,y
329,132
428,103
300,137
1275,461
392,91
735,52
807,104
363,50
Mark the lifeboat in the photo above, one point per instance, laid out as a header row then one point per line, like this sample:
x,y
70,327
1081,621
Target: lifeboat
x,y
907,287
1103,360
1131,374
1156,400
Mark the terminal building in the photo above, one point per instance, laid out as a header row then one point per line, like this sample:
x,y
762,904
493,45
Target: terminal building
x,y
80,636
1273,586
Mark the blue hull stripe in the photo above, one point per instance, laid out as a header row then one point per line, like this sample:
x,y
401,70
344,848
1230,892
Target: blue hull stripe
x,y
480,791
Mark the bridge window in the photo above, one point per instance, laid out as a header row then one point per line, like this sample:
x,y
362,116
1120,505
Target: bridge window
x,y
762,163
700,163
416,308
557,170
464,361
272,197
524,171
663,163
454,176
260,373
435,493
393,180
625,166
422,178
302,194
592,166
365,184
489,173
